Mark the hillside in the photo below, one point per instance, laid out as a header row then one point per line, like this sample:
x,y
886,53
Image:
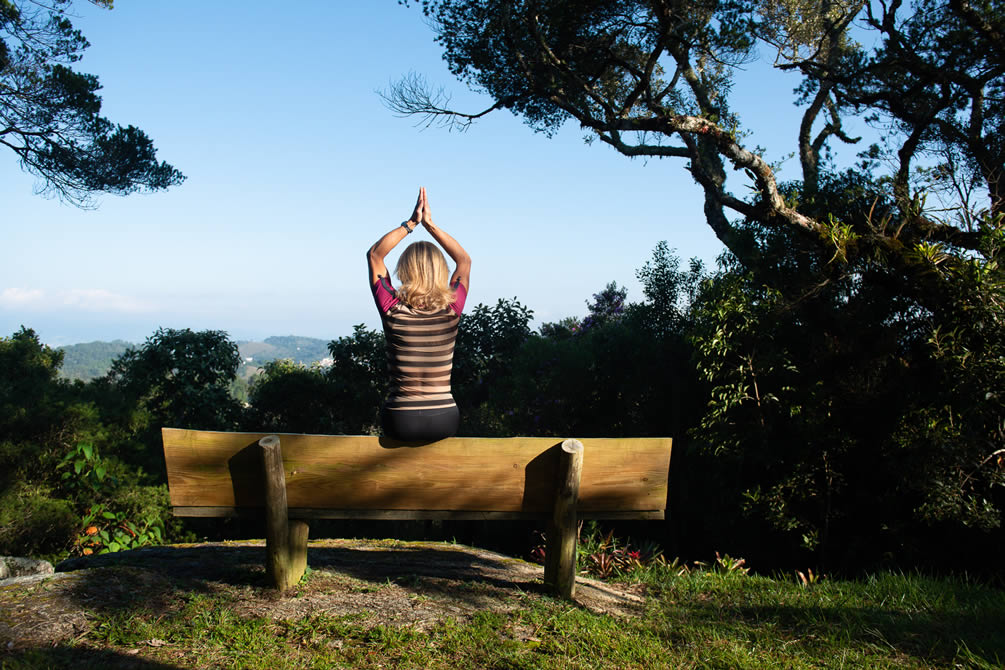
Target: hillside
x,y
303,350
89,360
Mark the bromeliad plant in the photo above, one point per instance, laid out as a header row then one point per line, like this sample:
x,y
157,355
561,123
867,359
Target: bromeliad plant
x,y
604,556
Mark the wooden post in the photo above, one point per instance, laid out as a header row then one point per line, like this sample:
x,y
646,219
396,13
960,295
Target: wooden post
x,y
298,548
285,543
560,554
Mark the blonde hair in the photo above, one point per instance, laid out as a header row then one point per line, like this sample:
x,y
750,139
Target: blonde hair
x,y
425,277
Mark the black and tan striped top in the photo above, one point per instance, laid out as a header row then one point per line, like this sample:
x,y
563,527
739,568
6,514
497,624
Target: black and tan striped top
x,y
420,350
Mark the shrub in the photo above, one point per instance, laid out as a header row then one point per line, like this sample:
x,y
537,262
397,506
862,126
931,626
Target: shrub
x,y
33,523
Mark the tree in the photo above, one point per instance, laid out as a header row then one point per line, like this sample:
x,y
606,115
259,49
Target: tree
x,y
359,375
37,424
179,378
50,114
608,306
652,78
32,399
292,398
851,339
937,80
488,339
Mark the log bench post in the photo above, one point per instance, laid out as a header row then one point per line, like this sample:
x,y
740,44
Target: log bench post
x,y
562,534
285,538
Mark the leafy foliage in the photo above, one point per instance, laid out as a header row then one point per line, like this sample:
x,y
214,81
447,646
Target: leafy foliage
x,y
107,524
31,399
840,412
488,339
50,114
180,378
51,471
286,397
358,374
851,339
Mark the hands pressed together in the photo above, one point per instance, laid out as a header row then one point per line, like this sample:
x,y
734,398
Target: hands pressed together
x,y
421,213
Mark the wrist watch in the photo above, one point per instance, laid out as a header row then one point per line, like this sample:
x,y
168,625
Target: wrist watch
x,y
404,224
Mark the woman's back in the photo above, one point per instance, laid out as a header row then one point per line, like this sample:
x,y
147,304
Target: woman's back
x,y
420,353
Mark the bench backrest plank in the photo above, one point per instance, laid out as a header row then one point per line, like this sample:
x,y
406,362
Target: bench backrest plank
x,y
351,472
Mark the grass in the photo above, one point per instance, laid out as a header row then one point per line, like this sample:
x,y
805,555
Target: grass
x,y
706,619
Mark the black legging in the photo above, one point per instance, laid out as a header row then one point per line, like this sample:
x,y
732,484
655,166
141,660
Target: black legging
x,y
420,425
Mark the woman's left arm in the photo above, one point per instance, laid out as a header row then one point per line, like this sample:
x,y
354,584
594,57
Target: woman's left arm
x,y
462,273
381,248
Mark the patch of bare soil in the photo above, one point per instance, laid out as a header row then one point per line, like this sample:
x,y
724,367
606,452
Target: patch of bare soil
x,y
415,584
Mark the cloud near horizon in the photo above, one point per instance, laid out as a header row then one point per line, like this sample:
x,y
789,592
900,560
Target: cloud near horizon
x,y
81,299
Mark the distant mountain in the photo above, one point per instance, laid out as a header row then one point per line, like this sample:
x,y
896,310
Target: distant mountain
x,y
93,359
302,350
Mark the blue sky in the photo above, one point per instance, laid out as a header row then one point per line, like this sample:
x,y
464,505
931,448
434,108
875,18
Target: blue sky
x,y
295,167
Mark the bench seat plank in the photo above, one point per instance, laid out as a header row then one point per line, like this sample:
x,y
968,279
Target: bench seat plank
x,y
350,475
410,515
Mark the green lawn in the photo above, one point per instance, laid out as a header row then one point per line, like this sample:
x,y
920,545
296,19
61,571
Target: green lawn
x,y
699,620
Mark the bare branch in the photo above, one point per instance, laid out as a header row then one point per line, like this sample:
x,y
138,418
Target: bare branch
x,y
413,96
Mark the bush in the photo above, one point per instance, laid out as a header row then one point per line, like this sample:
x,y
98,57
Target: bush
x,y
33,523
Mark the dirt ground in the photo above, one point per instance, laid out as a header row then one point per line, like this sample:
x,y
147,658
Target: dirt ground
x,y
415,584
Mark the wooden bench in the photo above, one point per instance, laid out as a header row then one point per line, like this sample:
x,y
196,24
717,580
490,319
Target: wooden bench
x,y
290,479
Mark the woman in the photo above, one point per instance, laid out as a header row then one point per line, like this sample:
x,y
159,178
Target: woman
x,y
420,325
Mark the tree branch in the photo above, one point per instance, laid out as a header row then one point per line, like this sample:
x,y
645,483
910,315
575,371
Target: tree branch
x,y
413,96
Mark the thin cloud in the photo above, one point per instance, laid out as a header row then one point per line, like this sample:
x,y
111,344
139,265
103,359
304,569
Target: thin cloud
x,y
78,299
21,297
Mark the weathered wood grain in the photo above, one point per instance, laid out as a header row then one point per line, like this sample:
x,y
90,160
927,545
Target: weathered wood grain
x,y
410,515
560,559
347,472
279,560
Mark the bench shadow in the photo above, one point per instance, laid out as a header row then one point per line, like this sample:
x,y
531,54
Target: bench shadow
x,y
156,578
415,564
247,475
80,658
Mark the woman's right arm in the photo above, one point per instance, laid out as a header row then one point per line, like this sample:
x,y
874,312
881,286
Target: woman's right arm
x,y
381,248
453,248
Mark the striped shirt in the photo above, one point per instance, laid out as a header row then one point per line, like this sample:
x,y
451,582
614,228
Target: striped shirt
x,y
420,349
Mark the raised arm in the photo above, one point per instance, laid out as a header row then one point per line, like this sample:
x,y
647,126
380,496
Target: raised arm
x,y
462,273
381,248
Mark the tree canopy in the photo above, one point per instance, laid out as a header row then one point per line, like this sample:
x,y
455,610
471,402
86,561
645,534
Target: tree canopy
x,y
653,78
850,343
50,114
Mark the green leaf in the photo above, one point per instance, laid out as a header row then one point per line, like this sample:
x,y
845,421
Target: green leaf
x,y
114,546
88,450
78,465
108,515
99,472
